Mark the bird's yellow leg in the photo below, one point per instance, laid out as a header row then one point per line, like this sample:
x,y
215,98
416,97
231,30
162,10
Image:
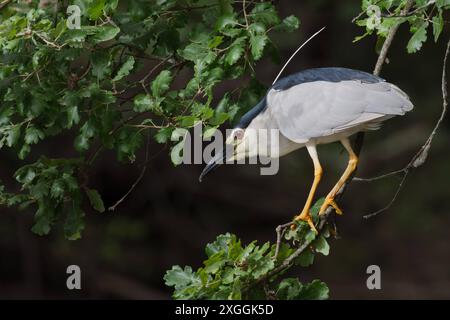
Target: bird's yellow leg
x,y
351,167
305,214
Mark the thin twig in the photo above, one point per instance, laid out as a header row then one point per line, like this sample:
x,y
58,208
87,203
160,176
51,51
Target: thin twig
x,y
388,42
141,175
363,12
139,178
244,8
397,192
280,232
4,3
412,12
48,42
383,176
142,81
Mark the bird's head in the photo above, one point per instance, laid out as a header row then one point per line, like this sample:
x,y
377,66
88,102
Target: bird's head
x,y
240,142
236,148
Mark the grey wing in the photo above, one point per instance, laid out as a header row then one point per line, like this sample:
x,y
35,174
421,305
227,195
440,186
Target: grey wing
x,y
321,108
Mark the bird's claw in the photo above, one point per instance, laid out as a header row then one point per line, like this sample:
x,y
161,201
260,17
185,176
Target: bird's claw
x,y
327,203
307,218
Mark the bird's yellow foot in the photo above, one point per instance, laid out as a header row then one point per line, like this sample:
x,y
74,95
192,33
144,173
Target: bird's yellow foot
x,y
327,203
305,216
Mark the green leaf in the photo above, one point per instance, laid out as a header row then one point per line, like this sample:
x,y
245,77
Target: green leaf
x,y
25,175
142,103
87,131
284,252
24,151
57,190
41,226
263,267
75,37
438,25
95,200
73,117
13,135
214,263
305,259
225,20
220,244
443,3
187,121
317,205
95,9
81,143
265,13
74,224
105,33
257,44
101,62
112,4
5,114
193,52
257,28
33,135
39,189
321,245
209,132
43,219
289,289
225,6
161,83
163,135
179,278
418,38
70,182
128,142
358,38
215,42
289,24
292,289
310,235
236,293
235,52
125,69
316,290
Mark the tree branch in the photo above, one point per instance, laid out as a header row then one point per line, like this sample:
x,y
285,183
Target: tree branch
x,y
4,3
421,156
388,42
139,178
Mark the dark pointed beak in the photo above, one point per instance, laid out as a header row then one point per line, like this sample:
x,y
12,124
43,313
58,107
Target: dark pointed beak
x,y
218,160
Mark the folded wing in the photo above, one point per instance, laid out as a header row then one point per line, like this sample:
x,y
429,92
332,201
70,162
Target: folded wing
x,y
322,108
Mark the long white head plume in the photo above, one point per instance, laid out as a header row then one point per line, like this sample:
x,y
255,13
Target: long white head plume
x,y
296,51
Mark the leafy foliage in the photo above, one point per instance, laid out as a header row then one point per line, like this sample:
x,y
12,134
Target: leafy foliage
x,y
51,185
233,271
111,81
380,16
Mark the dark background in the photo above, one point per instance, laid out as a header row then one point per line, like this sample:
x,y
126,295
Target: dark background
x,y
170,216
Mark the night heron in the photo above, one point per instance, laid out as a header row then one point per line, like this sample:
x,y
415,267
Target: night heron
x,y
318,106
